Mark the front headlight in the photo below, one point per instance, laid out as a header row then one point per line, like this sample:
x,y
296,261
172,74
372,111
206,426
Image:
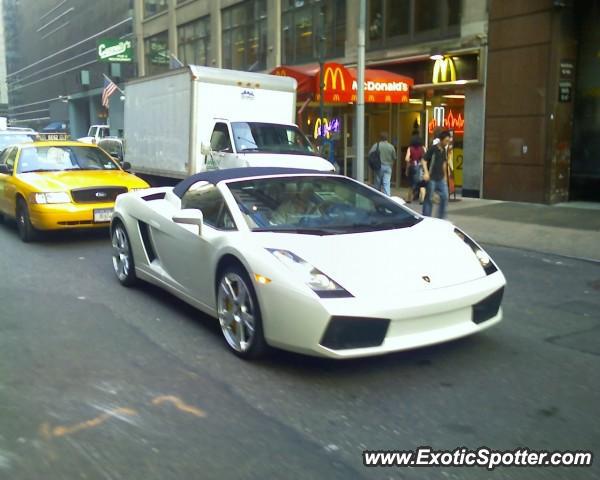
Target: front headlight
x,y
482,256
50,197
320,283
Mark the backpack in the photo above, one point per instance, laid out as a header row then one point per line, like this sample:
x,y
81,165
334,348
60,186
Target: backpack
x,y
374,159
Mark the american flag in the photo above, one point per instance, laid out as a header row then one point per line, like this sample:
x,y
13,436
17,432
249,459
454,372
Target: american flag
x,y
110,87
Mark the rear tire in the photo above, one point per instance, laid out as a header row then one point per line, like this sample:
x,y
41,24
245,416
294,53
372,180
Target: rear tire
x,y
239,314
27,231
122,257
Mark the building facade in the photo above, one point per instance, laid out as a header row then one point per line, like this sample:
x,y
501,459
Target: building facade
x,y
55,76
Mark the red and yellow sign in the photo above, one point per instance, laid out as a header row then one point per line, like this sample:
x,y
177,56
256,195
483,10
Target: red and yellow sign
x,y
452,121
340,84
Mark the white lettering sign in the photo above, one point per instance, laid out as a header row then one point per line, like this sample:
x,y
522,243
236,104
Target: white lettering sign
x,y
372,86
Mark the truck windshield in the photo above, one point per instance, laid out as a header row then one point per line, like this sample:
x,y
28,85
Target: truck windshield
x,y
255,137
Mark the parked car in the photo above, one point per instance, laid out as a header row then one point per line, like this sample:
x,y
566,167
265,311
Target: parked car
x,y
14,135
60,185
306,261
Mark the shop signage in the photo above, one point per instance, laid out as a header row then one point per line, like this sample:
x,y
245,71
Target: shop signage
x,y
327,128
115,50
340,86
444,70
451,121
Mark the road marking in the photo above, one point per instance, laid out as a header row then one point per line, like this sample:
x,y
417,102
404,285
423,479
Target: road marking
x,y
61,431
179,404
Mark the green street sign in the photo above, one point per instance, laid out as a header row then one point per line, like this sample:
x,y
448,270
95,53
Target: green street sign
x,y
114,50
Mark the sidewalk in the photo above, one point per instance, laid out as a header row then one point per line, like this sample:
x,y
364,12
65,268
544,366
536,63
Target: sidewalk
x,y
570,229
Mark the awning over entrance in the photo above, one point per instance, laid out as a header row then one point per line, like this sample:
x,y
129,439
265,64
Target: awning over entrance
x,y
340,84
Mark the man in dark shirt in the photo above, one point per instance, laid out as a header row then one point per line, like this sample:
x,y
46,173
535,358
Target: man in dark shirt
x,y
435,165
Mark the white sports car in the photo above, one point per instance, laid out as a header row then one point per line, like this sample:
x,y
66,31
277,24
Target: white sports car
x,y
306,261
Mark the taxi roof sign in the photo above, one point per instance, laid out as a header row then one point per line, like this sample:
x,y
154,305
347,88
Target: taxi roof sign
x,y
53,136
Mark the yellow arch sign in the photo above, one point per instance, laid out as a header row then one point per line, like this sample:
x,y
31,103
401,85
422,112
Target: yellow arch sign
x,y
444,71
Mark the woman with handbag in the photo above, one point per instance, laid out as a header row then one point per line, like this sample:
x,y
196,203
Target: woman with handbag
x,y
414,170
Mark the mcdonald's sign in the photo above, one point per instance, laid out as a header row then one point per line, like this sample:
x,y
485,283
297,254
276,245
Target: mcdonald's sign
x,y
332,74
444,71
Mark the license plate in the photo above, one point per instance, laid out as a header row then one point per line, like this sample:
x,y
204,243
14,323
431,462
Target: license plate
x,y
102,215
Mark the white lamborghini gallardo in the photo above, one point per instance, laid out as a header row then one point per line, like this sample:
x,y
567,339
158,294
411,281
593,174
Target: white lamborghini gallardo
x,y
306,261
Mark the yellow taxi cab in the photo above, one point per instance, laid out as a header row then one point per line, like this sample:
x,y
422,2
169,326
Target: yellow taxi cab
x,y
52,185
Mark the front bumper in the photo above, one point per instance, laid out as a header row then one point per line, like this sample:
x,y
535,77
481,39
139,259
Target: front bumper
x,y
301,323
66,215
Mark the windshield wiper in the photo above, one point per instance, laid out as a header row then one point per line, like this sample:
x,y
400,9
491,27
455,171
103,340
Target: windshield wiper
x,y
42,170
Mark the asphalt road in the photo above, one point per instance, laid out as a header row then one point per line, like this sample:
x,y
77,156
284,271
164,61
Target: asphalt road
x,y
102,382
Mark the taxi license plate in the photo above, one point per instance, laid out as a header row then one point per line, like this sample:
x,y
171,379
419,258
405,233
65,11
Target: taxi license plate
x,y
102,215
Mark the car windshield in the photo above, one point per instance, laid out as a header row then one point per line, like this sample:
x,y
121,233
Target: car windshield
x,y
14,138
318,205
255,137
60,158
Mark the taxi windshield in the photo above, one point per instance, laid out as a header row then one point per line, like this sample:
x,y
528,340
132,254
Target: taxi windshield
x,y
62,158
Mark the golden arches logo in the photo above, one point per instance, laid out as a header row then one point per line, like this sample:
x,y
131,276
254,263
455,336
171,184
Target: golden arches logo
x,y
332,74
444,71
321,127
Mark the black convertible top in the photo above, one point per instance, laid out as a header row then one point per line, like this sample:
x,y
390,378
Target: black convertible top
x,y
216,176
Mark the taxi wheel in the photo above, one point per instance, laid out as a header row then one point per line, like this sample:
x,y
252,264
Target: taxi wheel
x,y
26,230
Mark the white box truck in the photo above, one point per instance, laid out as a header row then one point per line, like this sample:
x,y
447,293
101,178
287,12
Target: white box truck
x,y
198,118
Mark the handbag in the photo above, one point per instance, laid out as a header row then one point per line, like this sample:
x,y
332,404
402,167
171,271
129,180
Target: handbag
x,y
374,159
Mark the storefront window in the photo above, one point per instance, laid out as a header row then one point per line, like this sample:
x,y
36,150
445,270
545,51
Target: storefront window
x,y
152,7
245,36
194,40
395,22
157,53
313,28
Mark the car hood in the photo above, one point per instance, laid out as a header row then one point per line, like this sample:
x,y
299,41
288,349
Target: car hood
x,y
386,262
310,162
65,181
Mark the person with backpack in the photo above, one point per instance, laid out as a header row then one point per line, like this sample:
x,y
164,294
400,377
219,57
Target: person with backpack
x,y
414,170
381,159
435,166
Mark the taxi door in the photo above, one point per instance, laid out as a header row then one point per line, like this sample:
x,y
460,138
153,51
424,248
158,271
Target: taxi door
x,y
7,181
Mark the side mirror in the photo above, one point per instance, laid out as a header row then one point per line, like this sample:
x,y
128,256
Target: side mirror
x,y
205,149
4,169
398,200
126,166
190,216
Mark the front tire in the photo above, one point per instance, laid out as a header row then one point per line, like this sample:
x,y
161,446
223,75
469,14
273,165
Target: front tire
x,y
239,314
122,257
27,231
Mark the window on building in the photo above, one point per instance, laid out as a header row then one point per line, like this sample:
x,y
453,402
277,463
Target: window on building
x,y
152,7
313,28
245,36
157,53
193,42
398,22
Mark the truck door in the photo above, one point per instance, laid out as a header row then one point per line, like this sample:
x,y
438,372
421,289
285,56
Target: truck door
x,y
222,154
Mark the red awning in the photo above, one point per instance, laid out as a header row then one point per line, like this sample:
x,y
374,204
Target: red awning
x,y
381,86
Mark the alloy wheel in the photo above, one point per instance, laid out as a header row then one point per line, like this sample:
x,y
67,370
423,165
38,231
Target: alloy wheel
x,y
121,254
236,312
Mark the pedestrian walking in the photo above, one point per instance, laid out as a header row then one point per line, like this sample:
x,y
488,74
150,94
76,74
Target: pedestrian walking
x,y
435,165
387,157
414,170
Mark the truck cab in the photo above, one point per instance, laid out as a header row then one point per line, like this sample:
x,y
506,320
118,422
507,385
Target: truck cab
x,y
258,144
95,133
